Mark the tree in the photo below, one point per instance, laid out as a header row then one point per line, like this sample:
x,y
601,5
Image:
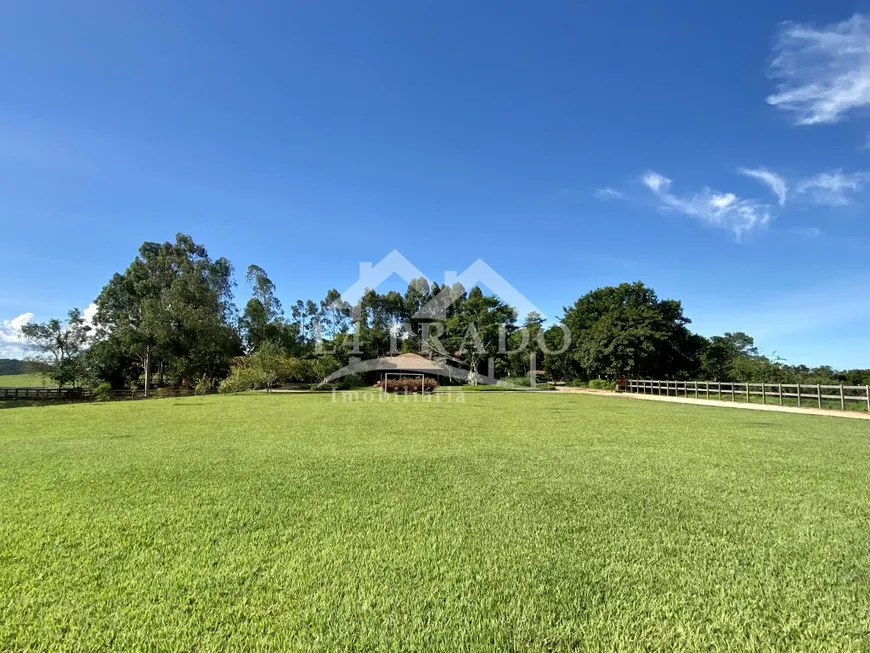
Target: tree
x,y
173,303
262,320
627,330
525,342
474,333
721,355
62,343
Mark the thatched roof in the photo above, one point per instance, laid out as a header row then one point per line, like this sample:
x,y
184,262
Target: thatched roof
x,y
406,363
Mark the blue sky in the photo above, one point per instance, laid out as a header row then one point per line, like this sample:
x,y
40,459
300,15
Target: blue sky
x,y
717,152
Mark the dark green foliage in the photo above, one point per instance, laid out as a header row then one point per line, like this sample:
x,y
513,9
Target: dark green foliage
x,y
12,366
173,305
102,392
601,384
626,330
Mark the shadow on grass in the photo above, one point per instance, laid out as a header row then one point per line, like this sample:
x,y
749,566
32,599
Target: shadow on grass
x,y
33,403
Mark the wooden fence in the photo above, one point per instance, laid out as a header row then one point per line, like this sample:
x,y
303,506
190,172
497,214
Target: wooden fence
x,y
47,394
72,394
844,397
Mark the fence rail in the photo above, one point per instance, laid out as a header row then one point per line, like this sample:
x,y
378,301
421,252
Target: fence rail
x,y
86,394
47,394
844,397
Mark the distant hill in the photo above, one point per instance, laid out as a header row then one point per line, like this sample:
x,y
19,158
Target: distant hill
x,y
11,366
15,366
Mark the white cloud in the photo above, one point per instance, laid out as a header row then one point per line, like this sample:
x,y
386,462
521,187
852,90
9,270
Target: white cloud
x,y
832,188
12,343
89,313
655,182
608,193
775,182
823,72
724,210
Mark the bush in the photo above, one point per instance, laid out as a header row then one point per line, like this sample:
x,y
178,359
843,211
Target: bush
x,y
410,385
351,381
103,392
204,385
240,380
578,383
602,384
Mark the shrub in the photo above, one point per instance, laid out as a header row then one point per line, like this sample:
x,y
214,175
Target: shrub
x,y
578,383
602,384
410,385
103,392
241,379
350,382
204,385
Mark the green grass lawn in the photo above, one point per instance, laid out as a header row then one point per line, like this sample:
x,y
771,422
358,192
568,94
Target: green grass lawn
x,y
508,521
24,381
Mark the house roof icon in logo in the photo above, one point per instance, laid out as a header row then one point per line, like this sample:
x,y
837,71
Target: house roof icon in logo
x,y
479,272
372,276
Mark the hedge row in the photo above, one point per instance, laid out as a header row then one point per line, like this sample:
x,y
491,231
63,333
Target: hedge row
x,y
410,385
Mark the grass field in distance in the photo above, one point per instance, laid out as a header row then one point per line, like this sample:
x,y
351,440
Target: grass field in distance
x,y
25,381
507,521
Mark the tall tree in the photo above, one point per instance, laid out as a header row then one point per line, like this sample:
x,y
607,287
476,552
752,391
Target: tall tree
x,y
174,303
262,320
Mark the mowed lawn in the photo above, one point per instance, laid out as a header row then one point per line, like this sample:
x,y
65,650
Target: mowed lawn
x,y
510,521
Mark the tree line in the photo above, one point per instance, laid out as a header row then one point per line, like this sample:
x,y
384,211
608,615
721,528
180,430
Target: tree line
x,y
170,318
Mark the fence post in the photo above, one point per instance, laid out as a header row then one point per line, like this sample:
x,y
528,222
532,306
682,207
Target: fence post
x,y
748,400
696,389
819,393
707,388
868,397
719,390
779,387
763,394
733,398
799,394
842,398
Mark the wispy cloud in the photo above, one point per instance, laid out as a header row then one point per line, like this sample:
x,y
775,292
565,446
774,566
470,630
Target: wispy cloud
x,y
823,72
776,183
724,210
608,193
12,343
808,232
834,188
